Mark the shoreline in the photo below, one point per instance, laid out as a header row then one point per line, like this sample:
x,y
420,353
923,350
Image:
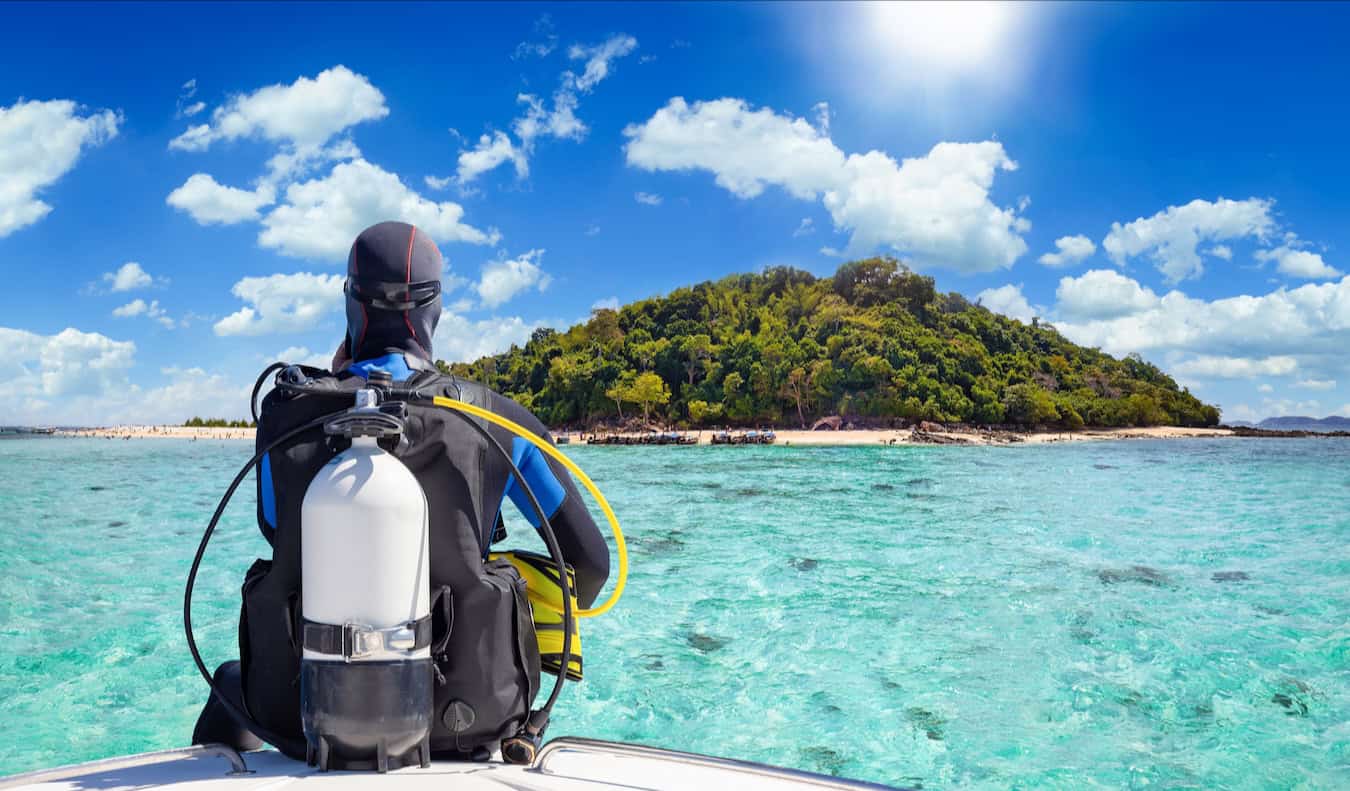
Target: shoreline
x,y
916,437
157,432
785,437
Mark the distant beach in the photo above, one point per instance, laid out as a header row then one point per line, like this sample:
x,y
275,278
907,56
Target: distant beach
x,y
787,437
158,432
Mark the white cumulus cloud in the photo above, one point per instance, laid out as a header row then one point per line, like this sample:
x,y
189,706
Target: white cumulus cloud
x,y
647,198
540,120
491,151
1309,325
502,280
1290,260
934,209
460,339
745,149
69,363
315,218
1171,237
82,378
318,219
305,114
128,277
1102,294
188,392
209,202
283,303
1316,384
133,308
139,307
301,355
1069,251
39,143
1279,407
186,107
1207,366
598,59
1009,301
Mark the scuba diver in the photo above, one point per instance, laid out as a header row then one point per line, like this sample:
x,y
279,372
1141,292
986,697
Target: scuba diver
x,y
478,625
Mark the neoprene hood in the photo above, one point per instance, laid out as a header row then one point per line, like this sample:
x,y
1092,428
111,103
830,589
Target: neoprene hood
x,y
393,292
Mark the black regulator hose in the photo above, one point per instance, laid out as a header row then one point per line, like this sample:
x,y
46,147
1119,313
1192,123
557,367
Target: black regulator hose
x,y
518,749
238,711
257,386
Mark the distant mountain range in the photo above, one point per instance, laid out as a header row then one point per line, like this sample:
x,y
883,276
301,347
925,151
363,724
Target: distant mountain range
x,y
1298,423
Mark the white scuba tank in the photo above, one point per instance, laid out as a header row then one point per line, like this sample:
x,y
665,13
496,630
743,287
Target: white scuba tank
x,y
364,554
366,674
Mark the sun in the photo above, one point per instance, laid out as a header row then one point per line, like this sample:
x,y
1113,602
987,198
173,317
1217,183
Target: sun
x,y
953,37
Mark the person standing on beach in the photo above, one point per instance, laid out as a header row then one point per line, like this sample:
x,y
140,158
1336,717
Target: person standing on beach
x,y
393,304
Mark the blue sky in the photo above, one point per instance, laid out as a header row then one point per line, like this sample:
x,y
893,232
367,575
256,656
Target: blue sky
x,y
179,183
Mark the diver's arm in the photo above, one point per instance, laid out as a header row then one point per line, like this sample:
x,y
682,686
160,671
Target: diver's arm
x,y
582,544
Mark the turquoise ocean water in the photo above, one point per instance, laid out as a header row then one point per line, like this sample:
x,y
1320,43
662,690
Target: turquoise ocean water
x,y
1133,614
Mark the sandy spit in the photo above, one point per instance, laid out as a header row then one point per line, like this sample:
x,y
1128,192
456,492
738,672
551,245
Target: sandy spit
x,y
159,432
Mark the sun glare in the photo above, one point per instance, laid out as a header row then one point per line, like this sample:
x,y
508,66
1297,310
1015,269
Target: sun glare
x,y
956,36
945,54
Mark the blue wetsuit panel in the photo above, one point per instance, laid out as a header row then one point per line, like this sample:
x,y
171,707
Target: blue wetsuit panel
x,y
269,495
548,490
393,364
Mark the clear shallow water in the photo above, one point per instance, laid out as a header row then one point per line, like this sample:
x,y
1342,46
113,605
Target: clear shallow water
x,y
1133,614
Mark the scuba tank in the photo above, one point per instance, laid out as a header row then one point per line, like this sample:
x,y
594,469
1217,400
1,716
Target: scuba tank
x,y
366,685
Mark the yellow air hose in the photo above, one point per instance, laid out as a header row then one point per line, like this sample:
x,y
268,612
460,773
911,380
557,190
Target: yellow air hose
x,y
554,453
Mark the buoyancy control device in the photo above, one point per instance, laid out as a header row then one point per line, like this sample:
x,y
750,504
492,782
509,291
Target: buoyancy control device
x,y
390,667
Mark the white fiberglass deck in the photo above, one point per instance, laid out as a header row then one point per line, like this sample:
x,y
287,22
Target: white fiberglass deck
x,y
565,764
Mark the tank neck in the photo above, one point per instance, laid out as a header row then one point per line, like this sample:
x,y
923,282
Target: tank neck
x,y
365,442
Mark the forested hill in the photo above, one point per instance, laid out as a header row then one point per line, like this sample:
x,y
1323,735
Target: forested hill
x,y
875,344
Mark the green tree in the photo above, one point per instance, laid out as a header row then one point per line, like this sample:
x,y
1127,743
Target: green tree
x,y
701,412
1070,418
1029,405
797,386
648,390
697,350
646,353
621,391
